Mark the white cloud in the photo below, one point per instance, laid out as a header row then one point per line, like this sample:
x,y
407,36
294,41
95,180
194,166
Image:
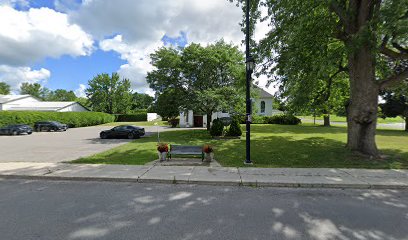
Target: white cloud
x,y
29,36
138,27
14,76
137,57
80,92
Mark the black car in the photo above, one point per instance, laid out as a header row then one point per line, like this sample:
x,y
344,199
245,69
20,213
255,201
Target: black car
x,y
16,129
50,126
124,131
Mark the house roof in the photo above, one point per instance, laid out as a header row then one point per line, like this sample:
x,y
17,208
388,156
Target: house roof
x,y
263,93
43,106
10,98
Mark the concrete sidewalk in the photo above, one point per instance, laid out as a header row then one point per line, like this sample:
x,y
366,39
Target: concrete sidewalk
x,y
262,177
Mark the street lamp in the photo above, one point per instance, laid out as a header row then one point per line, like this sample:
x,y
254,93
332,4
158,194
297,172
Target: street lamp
x,y
250,66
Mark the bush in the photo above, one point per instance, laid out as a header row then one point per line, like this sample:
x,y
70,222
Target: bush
x,y
234,129
174,122
216,128
135,117
72,119
284,119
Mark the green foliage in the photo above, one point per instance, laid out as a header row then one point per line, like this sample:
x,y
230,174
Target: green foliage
x,y
217,128
35,90
135,117
167,104
396,103
109,94
72,119
4,88
284,119
203,79
234,129
142,101
61,95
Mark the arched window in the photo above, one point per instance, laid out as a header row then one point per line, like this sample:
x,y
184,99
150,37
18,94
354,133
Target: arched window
x,y
262,106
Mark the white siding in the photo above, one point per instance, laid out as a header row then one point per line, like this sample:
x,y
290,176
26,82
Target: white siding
x,y
268,106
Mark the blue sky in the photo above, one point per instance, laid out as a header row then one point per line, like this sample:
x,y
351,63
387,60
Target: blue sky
x,y
65,43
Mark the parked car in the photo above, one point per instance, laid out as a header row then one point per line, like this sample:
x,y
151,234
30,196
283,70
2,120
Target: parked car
x,y
50,126
16,129
124,131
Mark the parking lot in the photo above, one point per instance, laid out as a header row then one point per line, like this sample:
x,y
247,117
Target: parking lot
x,y
57,146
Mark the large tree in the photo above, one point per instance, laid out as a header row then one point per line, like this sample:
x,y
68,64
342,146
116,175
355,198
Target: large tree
x,y
4,88
206,78
109,94
35,90
369,31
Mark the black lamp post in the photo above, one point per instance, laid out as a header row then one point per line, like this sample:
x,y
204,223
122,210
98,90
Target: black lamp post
x,y
250,66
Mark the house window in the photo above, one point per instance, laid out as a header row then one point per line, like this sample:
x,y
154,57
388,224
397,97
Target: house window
x,y
262,106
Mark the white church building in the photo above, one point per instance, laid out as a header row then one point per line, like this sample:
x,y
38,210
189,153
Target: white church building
x,y
263,105
30,103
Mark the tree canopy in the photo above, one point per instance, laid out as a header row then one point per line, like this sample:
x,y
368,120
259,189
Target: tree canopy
x,y
4,88
109,94
206,79
313,43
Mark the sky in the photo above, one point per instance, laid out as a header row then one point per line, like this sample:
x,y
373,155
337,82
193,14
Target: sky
x,y
62,44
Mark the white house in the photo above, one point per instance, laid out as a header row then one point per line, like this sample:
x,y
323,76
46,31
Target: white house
x,y
30,103
263,105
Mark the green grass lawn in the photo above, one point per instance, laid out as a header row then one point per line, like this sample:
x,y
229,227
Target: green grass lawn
x,y
334,118
144,124
271,146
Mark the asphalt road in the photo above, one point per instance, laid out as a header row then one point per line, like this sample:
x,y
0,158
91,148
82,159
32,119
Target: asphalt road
x,y
59,146
103,210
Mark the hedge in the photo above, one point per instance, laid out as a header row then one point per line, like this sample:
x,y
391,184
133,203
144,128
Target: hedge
x,y
283,119
72,119
135,117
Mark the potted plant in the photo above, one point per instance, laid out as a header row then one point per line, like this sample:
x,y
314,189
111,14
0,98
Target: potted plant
x,y
208,152
162,149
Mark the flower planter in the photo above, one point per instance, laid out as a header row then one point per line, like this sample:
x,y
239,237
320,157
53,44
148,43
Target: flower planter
x,y
209,156
162,156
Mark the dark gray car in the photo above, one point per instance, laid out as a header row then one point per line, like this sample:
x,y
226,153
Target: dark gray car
x,y
50,126
16,129
124,131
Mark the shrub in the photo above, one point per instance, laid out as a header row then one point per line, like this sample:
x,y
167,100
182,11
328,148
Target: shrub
x,y
72,119
234,129
284,119
174,122
216,128
135,117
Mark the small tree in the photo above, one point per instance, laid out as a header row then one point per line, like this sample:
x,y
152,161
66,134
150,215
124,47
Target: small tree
x,y
109,94
396,103
234,129
4,88
217,128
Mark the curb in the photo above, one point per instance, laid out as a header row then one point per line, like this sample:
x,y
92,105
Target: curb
x,y
211,183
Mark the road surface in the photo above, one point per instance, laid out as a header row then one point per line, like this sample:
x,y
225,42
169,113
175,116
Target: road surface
x,y
50,210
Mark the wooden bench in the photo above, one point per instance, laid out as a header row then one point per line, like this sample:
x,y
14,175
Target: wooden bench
x,y
186,150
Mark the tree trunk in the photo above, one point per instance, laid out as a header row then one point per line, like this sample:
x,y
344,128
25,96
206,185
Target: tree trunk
x,y
363,107
406,124
209,116
326,120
